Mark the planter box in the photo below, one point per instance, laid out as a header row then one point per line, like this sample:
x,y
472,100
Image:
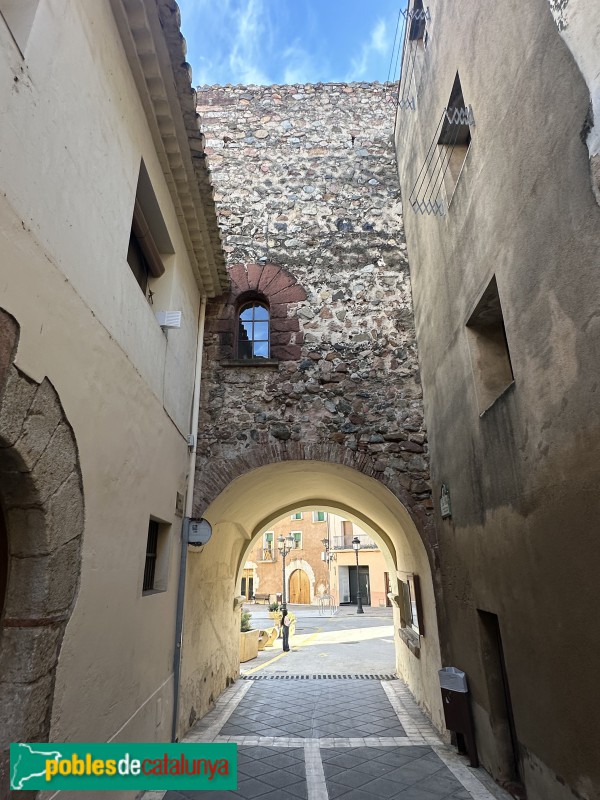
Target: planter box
x,y
249,645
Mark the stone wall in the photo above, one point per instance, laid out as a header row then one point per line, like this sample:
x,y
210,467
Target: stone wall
x,y
310,211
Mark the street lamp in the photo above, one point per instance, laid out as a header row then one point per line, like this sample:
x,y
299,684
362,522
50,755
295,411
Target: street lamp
x,y
356,546
284,546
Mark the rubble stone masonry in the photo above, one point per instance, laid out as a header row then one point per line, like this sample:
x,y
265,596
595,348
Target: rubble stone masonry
x,y
311,216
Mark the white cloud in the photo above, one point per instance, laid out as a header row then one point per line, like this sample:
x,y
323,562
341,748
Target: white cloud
x,y
251,42
378,44
300,66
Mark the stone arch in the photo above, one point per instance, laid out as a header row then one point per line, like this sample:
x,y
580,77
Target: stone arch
x,y
216,474
300,563
241,508
273,285
43,509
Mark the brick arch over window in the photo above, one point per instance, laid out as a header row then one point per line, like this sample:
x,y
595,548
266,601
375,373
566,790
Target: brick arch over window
x,y
277,289
43,513
214,475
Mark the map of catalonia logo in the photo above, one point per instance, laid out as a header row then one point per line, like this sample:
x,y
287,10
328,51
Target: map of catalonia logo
x,y
35,766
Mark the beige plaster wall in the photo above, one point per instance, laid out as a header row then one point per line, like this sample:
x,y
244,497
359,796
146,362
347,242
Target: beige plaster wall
x,y
522,540
73,135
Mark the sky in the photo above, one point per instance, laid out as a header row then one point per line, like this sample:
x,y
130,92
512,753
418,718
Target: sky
x,y
290,41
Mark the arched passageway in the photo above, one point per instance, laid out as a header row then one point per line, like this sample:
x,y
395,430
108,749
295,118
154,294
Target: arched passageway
x,y
248,506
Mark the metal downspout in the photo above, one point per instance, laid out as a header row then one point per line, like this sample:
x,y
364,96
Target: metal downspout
x,y
189,505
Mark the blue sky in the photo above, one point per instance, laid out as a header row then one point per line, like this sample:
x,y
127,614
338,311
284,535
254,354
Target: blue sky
x,y
289,41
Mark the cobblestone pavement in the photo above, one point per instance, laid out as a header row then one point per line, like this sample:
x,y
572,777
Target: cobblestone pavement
x,y
333,738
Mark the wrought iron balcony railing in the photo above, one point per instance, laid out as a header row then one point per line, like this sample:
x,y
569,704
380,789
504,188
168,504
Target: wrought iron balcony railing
x,y
345,543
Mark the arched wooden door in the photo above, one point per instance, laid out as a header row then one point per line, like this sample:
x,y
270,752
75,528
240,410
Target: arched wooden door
x,y
299,587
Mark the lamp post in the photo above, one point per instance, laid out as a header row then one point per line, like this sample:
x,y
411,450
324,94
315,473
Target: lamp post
x,y
356,546
284,546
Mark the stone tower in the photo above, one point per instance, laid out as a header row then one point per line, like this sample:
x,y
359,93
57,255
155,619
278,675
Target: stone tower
x,y
311,216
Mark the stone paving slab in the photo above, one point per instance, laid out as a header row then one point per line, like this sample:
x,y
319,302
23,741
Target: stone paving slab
x,y
414,764
412,773
315,709
263,774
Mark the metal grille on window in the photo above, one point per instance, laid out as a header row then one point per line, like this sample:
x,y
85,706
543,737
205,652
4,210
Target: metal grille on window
x,y
439,175
253,332
151,554
414,40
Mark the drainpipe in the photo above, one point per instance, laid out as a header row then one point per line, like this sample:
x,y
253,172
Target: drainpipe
x,y
185,528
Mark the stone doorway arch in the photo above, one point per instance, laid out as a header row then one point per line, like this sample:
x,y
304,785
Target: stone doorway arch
x,y
42,506
250,504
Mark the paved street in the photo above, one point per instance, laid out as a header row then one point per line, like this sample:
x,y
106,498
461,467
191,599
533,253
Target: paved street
x,y
330,721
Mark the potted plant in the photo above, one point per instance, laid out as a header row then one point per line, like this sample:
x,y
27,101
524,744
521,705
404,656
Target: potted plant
x,y
274,612
248,638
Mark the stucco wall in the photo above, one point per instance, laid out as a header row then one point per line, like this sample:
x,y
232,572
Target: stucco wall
x,y
73,136
579,25
521,542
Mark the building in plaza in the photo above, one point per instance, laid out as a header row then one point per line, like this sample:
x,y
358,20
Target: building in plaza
x,y
497,142
322,562
372,571
306,572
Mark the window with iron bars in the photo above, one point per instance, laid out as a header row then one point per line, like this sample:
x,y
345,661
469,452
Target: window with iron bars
x,y
151,556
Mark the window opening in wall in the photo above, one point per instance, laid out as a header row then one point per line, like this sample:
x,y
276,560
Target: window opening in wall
x,y
149,241
247,587
455,137
18,16
297,540
318,516
253,331
413,611
414,40
151,555
437,179
157,557
268,548
297,515
488,349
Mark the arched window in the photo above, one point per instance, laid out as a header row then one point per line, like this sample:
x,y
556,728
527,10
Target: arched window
x,y
253,331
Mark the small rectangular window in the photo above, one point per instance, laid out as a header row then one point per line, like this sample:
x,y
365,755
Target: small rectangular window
x,y
488,348
151,556
455,137
268,553
297,540
413,611
157,557
298,515
418,21
149,241
318,516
